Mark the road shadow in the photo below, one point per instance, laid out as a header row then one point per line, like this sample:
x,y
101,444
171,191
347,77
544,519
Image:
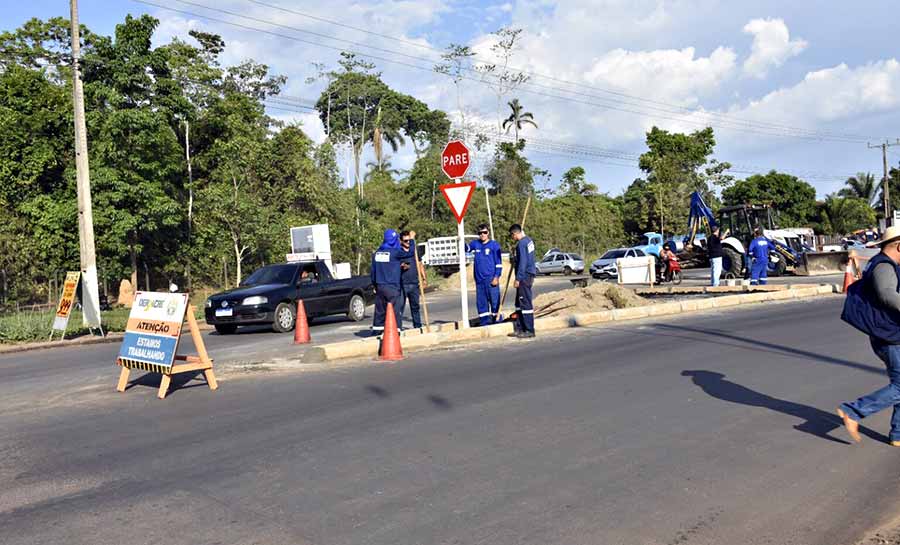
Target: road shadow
x,y
179,381
815,421
761,346
436,400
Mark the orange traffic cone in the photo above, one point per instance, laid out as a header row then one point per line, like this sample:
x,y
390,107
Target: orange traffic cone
x,y
390,341
301,328
848,276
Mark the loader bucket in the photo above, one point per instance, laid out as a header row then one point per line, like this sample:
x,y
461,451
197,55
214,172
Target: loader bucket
x,y
822,263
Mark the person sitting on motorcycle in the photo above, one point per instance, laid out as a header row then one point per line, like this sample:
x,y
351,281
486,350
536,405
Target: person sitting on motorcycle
x,y
666,255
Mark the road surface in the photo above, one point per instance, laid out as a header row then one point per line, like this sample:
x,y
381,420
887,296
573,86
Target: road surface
x,y
707,429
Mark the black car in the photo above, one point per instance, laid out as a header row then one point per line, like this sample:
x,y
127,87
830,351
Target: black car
x,y
270,294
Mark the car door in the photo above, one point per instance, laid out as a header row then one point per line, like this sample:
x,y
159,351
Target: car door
x,y
310,290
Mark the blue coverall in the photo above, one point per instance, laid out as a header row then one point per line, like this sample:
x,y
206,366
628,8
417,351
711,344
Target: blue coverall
x,y
759,252
409,284
386,277
488,266
525,273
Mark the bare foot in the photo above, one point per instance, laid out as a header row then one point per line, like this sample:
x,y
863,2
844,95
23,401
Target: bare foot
x,y
852,426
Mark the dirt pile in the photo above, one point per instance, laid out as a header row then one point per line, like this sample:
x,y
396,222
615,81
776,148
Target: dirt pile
x,y
596,297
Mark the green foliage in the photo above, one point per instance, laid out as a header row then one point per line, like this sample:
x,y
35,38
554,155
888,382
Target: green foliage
x,y
574,183
792,198
31,326
843,215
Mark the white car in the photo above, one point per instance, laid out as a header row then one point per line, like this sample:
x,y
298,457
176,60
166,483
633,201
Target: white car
x,y
605,266
561,263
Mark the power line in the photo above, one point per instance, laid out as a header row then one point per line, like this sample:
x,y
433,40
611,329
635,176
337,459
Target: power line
x,y
749,127
535,74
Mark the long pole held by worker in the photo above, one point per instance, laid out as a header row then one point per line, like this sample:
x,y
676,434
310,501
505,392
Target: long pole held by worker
x,y
421,274
487,199
511,271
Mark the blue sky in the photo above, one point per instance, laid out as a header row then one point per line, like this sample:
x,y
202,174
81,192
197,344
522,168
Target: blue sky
x,y
754,69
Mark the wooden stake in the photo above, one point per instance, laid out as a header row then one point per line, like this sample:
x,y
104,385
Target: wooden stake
x,y
123,379
511,270
421,274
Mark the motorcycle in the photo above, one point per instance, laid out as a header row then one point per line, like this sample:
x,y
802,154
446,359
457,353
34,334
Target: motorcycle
x,y
669,271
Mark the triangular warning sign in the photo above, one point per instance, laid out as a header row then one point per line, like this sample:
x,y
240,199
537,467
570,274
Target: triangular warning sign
x,y
458,197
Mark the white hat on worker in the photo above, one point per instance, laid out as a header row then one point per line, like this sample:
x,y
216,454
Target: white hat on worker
x,y
891,234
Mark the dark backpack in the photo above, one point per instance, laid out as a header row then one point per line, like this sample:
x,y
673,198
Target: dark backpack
x,y
862,310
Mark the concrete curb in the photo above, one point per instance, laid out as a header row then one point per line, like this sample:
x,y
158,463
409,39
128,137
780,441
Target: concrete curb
x,y
445,334
79,341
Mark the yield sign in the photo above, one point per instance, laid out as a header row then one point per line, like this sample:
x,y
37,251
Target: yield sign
x,y
458,197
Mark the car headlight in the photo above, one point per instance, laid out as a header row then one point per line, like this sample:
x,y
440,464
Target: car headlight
x,y
255,300
208,303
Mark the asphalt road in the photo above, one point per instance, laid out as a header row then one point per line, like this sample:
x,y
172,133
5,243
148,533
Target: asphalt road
x,y
708,429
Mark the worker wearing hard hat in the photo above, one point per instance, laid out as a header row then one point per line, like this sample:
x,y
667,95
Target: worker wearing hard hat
x,y
487,270
525,273
759,254
386,278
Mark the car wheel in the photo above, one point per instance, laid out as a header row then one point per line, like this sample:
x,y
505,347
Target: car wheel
x,y
356,310
225,329
567,271
285,317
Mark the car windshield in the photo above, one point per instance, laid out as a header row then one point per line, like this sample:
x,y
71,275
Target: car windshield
x,y
613,254
645,241
273,274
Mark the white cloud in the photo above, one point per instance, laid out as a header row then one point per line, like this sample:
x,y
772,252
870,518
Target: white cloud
x,y
831,94
772,46
674,74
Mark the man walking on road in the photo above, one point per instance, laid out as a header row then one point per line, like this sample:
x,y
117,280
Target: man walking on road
x,y
488,268
873,307
525,273
759,255
714,247
386,277
409,282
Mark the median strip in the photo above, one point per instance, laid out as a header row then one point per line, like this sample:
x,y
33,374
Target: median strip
x,y
444,335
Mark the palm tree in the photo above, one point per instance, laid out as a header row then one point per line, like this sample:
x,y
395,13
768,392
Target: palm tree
x,y
382,167
518,118
382,134
862,186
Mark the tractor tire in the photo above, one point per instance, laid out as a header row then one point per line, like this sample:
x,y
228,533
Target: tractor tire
x,y
732,263
779,269
285,317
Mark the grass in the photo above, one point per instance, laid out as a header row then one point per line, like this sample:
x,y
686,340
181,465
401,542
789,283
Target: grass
x,y
35,326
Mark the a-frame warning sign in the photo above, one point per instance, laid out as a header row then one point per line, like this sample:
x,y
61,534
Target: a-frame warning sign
x,y
458,196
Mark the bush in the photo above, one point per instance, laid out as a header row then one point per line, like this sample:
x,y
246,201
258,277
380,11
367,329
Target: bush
x,y
35,326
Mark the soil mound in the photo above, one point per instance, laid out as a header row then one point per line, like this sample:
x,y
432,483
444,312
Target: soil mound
x,y
594,298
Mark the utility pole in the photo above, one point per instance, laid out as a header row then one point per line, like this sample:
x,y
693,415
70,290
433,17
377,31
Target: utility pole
x,y
190,215
90,301
885,182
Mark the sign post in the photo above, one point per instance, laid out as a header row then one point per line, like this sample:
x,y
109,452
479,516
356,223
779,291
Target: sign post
x,y
66,302
151,340
455,161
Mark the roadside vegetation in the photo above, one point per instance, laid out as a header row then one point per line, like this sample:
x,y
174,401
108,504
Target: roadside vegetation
x,y
209,220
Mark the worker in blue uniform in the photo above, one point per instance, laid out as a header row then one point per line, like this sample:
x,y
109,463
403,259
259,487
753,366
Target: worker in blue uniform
x,y
525,273
488,268
385,276
410,271
759,255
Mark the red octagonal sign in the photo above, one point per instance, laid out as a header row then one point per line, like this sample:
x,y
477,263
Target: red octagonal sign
x,y
455,159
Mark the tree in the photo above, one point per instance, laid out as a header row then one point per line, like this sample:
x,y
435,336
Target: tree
x,y
792,198
574,183
497,75
862,186
673,165
455,62
843,215
518,118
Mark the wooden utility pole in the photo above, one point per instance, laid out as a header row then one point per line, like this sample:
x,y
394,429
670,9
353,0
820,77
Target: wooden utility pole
x,y
90,301
885,182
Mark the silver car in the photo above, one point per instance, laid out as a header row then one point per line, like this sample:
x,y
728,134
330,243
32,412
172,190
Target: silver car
x,y
561,263
605,266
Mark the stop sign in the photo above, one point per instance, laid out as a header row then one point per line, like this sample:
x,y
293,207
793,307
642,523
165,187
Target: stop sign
x,y
455,159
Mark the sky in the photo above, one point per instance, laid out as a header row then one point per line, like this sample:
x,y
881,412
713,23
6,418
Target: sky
x,y
801,86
